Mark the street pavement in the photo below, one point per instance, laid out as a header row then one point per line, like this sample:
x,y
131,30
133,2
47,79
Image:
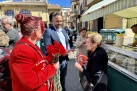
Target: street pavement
x,y
72,79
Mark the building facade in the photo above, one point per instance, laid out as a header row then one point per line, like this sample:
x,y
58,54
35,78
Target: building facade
x,y
78,8
74,14
107,14
99,23
40,9
66,16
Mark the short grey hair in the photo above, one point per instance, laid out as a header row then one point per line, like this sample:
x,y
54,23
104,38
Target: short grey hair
x,y
96,38
9,19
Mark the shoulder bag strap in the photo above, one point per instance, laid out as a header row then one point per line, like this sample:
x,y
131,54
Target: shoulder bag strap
x,y
100,77
101,72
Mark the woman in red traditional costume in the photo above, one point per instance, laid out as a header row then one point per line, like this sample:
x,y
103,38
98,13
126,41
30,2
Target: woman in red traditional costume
x,y
30,69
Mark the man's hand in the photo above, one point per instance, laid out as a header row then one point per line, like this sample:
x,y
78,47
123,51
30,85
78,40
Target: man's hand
x,y
134,44
84,41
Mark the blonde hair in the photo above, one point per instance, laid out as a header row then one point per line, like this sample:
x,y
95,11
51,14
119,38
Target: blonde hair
x,y
95,38
89,35
4,39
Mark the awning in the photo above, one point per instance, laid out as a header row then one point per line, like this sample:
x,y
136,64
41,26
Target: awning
x,y
130,14
131,22
107,7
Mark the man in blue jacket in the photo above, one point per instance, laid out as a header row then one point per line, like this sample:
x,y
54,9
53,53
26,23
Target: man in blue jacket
x,y
56,33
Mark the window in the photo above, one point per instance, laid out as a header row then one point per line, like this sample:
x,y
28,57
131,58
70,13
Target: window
x,y
74,6
9,13
25,12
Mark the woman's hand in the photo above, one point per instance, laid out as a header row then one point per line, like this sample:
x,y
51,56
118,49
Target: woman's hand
x,y
84,41
56,65
134,44
78,66
55,58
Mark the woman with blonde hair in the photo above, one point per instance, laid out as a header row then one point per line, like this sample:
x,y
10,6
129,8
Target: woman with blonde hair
x,y
97,63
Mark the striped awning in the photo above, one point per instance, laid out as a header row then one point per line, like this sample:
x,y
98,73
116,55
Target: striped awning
x,y
131,22
130,14
107,7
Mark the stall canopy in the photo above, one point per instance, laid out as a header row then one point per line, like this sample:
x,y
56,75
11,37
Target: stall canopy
x,y
109,7
130,14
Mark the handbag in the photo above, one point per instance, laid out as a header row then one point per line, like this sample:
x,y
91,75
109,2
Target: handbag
x,y
87,86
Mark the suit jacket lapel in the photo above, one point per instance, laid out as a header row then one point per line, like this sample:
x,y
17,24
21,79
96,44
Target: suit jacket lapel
x,y
57,37
54,33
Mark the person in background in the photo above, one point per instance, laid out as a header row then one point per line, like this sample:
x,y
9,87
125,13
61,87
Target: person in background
x,y
20,34
74,34
134,29
7,24
5,84
56,33
70,34
30,70
80,44
97,63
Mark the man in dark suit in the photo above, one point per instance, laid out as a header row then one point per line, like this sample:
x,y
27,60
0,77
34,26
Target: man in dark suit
x,y
56,33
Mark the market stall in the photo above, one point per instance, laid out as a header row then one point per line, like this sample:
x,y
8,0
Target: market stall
x,y
122,67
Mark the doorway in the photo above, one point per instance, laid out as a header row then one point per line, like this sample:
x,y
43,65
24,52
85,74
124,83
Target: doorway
x,y
100,24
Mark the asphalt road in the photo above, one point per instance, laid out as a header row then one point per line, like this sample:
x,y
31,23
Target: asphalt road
x,y
72,80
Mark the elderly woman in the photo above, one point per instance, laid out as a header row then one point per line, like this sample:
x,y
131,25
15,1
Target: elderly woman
x,y
97,62
30,71
80,42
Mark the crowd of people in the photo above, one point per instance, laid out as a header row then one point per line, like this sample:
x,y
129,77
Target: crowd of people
x,y
32,70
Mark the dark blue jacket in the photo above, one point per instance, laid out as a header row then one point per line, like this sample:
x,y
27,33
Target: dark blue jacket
x,y
50,35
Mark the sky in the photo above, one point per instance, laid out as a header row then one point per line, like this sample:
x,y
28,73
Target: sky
x,y
62,3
